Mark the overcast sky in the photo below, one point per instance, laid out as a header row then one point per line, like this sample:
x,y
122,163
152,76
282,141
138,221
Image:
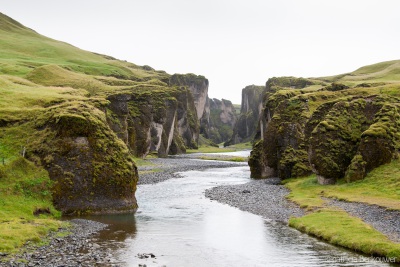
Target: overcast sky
x,y
233,43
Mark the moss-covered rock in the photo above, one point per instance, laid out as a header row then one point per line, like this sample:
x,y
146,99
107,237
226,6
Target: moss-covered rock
x,y
380,143
92,168
151,121
356,170
334,131
335,140
258,163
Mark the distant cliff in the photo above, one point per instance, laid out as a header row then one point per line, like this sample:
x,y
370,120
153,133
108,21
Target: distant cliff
x,y
246,126
218,122
333,130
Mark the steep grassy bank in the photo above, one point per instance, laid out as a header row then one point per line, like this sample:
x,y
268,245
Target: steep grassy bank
x,y
380,187
26,209
71,123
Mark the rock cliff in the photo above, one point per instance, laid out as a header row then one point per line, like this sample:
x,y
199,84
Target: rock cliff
x,y
246,126
334,130
162,122
85,116
218,121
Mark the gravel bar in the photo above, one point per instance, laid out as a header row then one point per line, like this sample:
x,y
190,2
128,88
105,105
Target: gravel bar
x,y
266,198
383,220
167,168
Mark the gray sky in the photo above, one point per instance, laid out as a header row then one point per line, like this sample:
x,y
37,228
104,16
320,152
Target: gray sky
x,y
233,43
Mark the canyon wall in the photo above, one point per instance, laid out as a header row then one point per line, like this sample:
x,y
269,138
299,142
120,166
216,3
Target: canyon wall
x,y
332,130
245,128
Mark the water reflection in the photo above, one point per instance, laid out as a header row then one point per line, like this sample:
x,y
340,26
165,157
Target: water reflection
x,y
120,227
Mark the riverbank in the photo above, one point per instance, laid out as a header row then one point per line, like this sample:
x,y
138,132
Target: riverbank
x,y
75,246
70,246
266,198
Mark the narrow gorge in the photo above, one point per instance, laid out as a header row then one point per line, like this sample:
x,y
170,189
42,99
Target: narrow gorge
x,y
108,163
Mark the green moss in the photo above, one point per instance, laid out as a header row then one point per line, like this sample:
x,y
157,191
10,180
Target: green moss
x,y
356,169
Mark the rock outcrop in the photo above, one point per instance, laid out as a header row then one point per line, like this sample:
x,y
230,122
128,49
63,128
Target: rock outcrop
x,y
92,169
338,133
246,126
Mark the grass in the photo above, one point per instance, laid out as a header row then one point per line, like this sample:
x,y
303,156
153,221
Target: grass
x,y
143,162
210,149
25,188
380,187
339,228
213,149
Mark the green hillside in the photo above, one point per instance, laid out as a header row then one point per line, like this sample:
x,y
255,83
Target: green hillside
x,y
46,81
384,72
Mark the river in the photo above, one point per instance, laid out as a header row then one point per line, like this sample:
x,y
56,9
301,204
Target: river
x,y
181,227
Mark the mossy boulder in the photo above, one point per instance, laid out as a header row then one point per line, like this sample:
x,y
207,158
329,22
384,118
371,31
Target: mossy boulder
x,y
334,141
92,168
380,143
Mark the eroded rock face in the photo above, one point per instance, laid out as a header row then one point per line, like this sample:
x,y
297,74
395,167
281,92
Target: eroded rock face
x,y
161,123
250,111
92,168
219,119
345,136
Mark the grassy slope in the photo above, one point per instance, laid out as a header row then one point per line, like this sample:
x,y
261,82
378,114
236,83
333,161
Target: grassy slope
x,y
24,188
36,73
387,72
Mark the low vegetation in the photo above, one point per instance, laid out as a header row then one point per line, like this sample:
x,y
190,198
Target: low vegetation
x,y
225,158
380,187
26,209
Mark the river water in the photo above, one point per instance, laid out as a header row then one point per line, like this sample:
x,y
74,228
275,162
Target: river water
x,y
181,227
